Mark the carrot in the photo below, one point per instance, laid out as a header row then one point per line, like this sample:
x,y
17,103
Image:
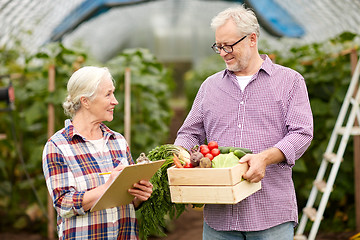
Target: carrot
x,y
177,161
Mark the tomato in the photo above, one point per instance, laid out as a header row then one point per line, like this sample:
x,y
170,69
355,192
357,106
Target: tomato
x,y
210,156
204,149
203,146
215,152
188,165
212,145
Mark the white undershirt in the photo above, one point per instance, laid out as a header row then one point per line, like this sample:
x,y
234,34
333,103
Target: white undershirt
x,y
99,144
243,81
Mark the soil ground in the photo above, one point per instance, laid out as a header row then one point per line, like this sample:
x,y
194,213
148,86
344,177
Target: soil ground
x,y
187,227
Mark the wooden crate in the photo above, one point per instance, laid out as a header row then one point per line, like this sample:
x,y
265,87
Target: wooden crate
x,y
210,185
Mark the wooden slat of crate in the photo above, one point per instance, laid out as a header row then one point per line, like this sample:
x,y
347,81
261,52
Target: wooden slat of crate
x,y
206,176
213,194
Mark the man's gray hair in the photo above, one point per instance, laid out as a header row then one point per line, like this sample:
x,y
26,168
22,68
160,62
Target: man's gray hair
x,y
244,18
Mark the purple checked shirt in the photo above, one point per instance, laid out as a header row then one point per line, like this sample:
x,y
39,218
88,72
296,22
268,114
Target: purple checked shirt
x,y
272,111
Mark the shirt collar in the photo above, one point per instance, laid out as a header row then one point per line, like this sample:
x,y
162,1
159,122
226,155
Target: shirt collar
x,y
266,66
71,132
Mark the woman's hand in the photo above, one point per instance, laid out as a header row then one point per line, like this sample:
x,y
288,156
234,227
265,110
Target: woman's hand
x,y
114,173
141,191
91,196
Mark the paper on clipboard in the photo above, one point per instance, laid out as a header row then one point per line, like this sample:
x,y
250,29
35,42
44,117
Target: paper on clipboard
x,y
117,193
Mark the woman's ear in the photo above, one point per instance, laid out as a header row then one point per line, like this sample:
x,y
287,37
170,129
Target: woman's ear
x,y
85,102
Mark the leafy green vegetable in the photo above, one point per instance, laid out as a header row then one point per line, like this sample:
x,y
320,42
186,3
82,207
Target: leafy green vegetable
x,y
225,160
153,214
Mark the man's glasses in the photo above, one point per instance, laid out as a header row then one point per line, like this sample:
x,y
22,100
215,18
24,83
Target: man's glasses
x,y
226,48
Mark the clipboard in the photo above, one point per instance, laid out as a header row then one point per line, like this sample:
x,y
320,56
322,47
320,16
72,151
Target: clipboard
x,y
117,193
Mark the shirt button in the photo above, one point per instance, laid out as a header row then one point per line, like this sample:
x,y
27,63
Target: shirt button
x,y
242,102
239,125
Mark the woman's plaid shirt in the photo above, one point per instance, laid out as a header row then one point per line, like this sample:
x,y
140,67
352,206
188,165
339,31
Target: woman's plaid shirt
x,y
71,166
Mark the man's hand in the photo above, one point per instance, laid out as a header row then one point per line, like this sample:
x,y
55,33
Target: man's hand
x,y
257,167
259,162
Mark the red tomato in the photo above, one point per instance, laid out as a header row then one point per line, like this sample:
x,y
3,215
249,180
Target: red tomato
x,y
215,152
188,165
204,149
203,146
212,145
210,156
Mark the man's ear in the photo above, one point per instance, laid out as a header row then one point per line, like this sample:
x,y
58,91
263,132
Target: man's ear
x,y
253,39
84,102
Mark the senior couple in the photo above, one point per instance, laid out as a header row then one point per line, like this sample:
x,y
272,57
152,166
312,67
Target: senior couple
x,y
252,103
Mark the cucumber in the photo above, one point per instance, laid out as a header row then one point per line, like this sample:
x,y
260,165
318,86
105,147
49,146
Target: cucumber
x,y
225,150
246,150
239,153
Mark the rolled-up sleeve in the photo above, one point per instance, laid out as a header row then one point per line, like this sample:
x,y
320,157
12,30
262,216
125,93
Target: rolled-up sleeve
x,y
61,183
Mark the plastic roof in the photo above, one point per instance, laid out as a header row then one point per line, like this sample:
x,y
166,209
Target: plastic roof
x,y
31,22
174,30
276,20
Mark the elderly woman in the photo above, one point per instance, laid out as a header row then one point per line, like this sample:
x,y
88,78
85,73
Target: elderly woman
x,y
75,155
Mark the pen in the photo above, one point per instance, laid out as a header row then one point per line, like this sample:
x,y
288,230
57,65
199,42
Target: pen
x,y
105,173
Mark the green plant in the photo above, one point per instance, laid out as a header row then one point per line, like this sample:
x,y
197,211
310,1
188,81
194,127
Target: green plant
x,y
151,86
194,78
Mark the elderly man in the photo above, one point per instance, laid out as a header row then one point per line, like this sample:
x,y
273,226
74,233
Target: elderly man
x,y
259,105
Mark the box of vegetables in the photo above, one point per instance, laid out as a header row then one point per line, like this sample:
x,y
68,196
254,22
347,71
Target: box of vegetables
x,y
212,175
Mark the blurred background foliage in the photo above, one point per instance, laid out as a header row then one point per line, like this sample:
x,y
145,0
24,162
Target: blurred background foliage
x,y
325,66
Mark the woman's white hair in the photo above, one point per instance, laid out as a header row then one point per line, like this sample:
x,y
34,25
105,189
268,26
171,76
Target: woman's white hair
x,y
83,83
244,18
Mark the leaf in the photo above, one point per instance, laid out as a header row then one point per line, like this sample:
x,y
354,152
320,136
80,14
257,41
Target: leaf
x,y
300,166
318,107
34,112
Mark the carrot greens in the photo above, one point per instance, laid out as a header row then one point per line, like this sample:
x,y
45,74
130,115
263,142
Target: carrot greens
x,y
153,214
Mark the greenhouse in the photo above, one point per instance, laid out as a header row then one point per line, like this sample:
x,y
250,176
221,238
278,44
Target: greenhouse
x,y
159,53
